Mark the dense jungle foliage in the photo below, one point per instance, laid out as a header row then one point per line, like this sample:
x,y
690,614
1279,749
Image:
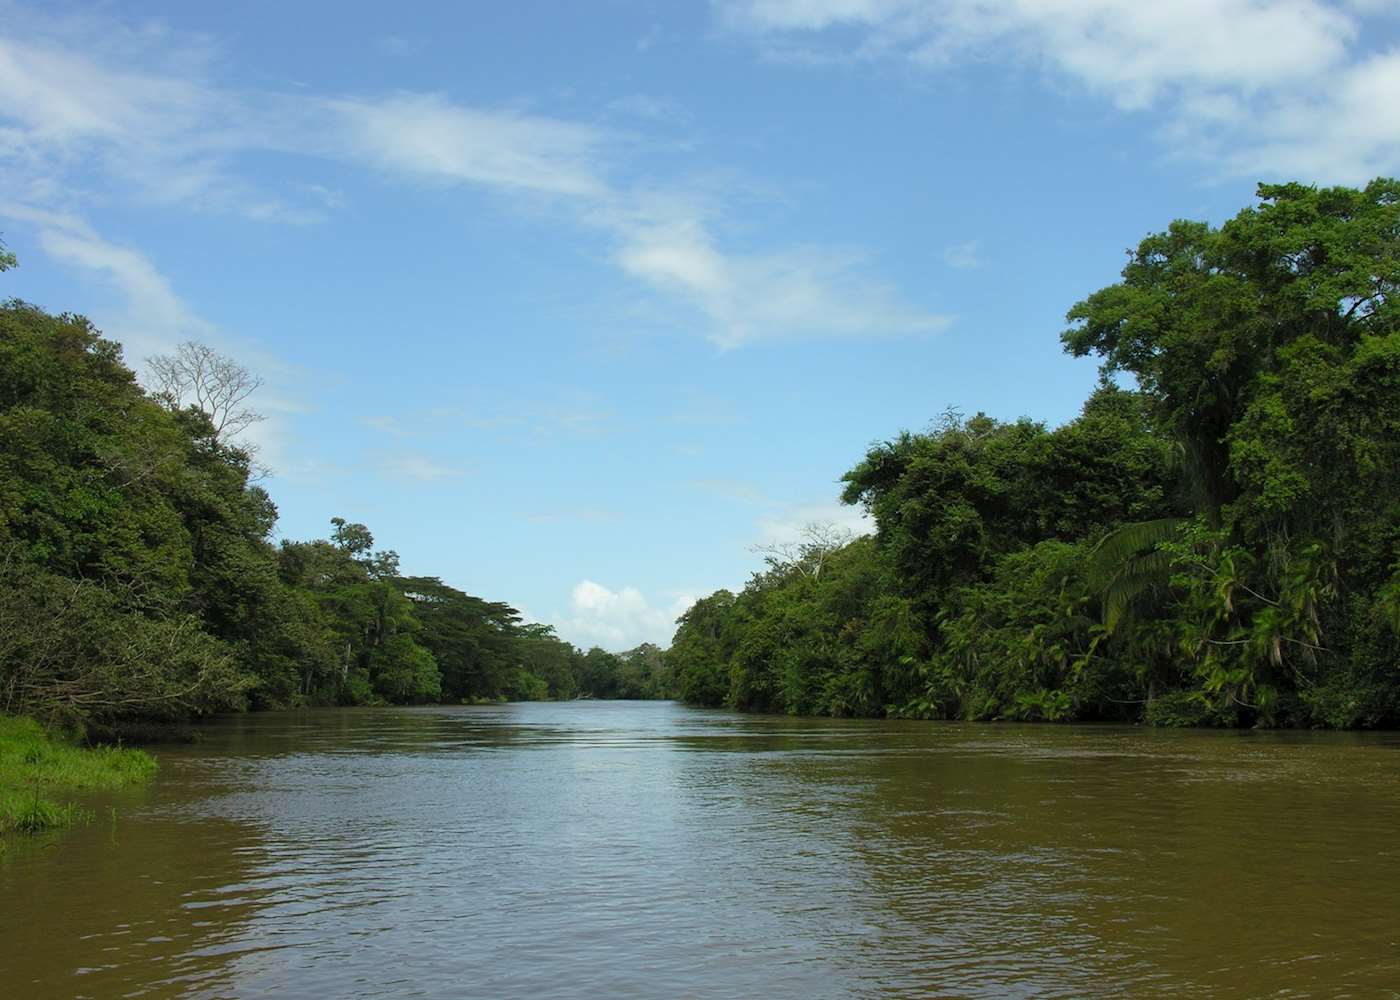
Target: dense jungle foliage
x,y
1218,545
138,578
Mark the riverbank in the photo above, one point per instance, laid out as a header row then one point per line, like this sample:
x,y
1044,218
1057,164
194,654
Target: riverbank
x,y
38,770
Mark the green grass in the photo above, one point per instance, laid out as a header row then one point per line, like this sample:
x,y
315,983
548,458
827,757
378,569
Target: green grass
x,y
35,765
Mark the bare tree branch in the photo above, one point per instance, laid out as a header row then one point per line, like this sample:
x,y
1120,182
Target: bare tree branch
x,y
808,554
197,375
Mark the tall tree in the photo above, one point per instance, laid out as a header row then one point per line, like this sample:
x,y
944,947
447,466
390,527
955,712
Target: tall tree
x,y
198,376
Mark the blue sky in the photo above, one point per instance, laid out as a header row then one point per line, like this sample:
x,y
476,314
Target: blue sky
x,y
575,304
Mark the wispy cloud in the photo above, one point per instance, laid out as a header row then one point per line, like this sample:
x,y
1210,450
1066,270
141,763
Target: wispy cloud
x,y
797,292
137,104
160,127
427,136
664,238
779,521
1254,86
153,317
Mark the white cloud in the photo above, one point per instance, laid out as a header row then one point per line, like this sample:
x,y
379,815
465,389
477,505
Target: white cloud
x,y
153,318
1274,87
663,238
428,136
621,619
1348,131
147,112
617,619
80,93
64,98
798,292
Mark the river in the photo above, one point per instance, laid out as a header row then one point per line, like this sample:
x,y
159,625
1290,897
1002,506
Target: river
x,y
625,849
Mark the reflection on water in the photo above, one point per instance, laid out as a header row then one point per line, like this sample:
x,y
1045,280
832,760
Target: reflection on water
x,y
648,850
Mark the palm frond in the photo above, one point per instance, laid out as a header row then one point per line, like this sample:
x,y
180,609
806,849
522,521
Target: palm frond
x,y
1137,577
1108,557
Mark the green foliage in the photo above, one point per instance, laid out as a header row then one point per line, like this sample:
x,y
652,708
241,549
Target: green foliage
x,y
528,687
360,626
643,673
35,764
1219,547
75,651
138,579
472,640
838,643
1128,566
951,502
1182,709
703,645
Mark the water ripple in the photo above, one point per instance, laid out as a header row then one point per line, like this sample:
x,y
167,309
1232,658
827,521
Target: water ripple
x,y
646,850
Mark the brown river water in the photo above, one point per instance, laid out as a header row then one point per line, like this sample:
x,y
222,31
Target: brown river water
x,y
616,849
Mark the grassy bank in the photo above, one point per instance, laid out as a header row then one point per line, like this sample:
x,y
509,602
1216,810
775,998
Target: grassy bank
x,y
37,770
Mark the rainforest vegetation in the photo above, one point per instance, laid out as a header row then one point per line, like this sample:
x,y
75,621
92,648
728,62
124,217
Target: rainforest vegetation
x,y
1214,540
139,579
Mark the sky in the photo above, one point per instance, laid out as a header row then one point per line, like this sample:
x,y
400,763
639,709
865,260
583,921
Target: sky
x,y
578,305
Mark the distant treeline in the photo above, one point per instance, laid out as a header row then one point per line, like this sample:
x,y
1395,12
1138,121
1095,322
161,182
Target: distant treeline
x,y
138,579
1217,545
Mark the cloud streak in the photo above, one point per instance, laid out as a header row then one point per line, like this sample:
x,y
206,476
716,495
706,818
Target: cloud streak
x,y
1271,87
163,130
428,136
154,318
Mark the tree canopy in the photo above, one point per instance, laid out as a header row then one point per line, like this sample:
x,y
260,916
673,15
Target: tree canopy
x,y
1218,543
139,579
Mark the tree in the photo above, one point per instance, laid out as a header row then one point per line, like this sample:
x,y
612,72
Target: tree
x,y
706,636
472,640
105,499
547,666
351,537
808,553
7,258
196,375
1270,352
1202,314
